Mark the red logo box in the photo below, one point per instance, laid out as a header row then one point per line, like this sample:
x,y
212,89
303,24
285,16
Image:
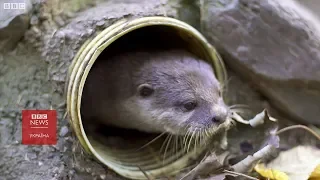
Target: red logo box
x,y
39,127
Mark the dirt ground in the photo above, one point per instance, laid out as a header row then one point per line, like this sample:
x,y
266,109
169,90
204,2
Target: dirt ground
x,y
25,85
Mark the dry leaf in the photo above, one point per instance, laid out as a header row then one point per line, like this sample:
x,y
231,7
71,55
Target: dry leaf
x,y
249,162
209,165
214,177
298,163
270,173
315,175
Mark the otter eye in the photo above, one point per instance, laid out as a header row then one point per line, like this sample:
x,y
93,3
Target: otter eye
x,y
189,106
145,90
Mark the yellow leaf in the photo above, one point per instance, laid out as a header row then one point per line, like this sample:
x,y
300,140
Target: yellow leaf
x,y
315,175
298,163
271,174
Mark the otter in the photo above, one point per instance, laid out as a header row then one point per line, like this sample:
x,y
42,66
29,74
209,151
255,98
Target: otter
x,y
154,91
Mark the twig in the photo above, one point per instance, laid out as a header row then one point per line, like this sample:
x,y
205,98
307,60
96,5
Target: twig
x,y
239,174
238,118
65,115
255,121
246,164
297,127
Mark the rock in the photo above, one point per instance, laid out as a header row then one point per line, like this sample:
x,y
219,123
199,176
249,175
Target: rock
x,y
102,176
97,18
13,24
312,5
32,156
63,131
275,45
86,24
40,163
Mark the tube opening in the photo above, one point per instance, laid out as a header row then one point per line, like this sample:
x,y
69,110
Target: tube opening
x,y
133,149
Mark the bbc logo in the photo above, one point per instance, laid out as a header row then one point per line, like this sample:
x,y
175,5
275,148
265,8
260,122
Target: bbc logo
x,y
14,5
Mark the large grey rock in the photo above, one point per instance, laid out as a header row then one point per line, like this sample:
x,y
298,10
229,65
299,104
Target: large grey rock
x,y
13,24
63,45
274,44
312,5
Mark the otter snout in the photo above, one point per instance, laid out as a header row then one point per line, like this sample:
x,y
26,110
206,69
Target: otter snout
x,y
219,119
220,114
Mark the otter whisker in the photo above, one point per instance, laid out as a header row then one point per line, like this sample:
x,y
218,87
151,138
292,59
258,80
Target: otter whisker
x,y
211,132
164,143
165,151
187,135
176,144
153,140
207,133
179,144
188,143
202,136
185,140
182,145
195,140
190,140
236,106
198,139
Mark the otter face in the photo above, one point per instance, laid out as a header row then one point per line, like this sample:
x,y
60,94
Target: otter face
x,y
181,99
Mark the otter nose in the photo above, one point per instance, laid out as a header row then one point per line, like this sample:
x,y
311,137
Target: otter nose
x,y
218,119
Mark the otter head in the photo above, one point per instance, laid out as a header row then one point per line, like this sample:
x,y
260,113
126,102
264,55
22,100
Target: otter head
x,y
179,97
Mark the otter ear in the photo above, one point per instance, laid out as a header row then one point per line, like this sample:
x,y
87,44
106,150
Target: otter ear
x,y
145,90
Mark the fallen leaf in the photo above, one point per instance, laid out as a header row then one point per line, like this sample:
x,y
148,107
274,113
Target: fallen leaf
x,y
315,175
299,163
270,173
214,177
250,161
209,165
